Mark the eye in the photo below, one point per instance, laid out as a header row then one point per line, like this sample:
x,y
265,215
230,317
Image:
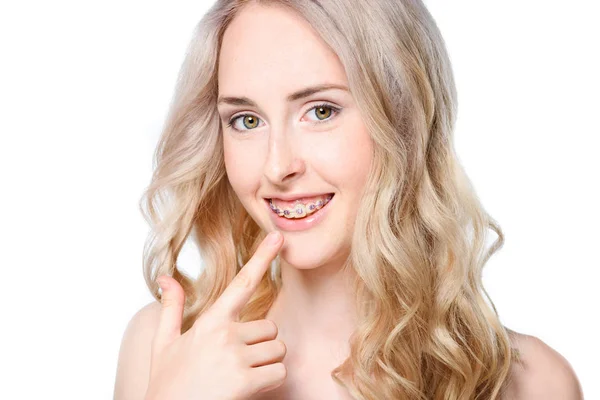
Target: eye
x,y
249,121
323,113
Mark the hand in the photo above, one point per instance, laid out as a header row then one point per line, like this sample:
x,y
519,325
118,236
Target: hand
x,y
217,358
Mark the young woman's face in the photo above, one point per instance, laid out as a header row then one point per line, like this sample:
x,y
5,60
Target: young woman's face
x,y
279,148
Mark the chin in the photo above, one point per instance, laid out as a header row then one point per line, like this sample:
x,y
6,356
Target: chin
x,y
302,255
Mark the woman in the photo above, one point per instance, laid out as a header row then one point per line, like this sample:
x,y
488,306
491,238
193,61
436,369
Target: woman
x,y
329,122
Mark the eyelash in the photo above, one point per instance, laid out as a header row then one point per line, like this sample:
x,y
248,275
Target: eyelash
x,y
336,111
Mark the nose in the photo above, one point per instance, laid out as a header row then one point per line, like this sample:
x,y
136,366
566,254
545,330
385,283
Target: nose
x,y
284,163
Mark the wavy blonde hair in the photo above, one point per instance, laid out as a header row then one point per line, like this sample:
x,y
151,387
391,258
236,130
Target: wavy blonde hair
x,y
425,330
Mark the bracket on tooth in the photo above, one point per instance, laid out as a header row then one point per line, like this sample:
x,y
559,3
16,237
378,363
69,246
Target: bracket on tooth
x,y
299,210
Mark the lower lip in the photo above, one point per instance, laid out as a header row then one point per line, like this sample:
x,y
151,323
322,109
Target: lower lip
x,y
299,224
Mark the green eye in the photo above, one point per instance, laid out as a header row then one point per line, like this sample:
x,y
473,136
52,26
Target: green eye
x,y
251,120
322,111
319,111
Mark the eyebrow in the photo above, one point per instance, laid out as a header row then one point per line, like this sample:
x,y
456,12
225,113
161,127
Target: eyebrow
x,y
300,94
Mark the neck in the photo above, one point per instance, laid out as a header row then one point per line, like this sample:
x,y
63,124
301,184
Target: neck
x,y
315,305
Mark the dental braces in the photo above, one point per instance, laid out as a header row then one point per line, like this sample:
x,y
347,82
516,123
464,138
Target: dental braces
x,y
299,209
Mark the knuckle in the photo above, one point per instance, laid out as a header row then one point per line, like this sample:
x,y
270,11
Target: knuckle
x,y
271,327
280,370
225,334
221,338
281,346
242,356
202,325
200,331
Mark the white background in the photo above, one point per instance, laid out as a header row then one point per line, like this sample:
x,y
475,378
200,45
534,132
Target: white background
x,y
84,88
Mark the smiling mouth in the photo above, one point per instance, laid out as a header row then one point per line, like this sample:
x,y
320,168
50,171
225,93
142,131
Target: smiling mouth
x,y
300,210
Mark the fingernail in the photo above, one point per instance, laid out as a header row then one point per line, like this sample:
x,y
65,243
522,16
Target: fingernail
x,y
274,237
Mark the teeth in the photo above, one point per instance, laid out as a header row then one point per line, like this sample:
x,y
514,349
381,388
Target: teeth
x,y
299,210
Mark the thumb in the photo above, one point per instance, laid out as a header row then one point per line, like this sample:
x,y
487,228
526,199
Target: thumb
x,y
171,313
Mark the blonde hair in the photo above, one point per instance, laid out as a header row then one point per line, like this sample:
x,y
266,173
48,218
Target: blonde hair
x,y
425,330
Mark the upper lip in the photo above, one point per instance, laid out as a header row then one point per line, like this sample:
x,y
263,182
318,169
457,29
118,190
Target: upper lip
x,y
295,196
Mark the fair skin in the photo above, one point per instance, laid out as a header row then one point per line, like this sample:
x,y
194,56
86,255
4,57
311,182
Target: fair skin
x,y
286,149
267,54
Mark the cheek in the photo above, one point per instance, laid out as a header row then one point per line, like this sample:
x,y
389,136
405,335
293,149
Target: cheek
x,y
346,157
242,166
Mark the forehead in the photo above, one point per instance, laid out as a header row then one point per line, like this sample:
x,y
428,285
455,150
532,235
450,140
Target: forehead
x,y
271,49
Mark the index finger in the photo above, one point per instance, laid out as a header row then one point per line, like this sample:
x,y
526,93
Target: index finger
x,y
241,288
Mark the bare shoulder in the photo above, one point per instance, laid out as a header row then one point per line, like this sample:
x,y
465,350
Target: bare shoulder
x,y
543,374
133,368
